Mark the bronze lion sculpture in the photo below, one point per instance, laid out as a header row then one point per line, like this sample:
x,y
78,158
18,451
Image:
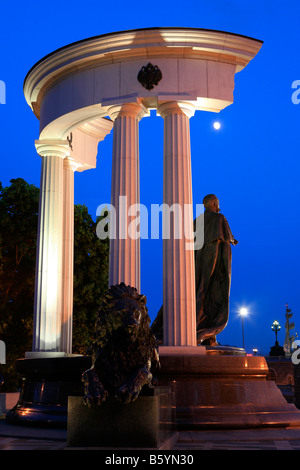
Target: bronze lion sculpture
x,y
124,354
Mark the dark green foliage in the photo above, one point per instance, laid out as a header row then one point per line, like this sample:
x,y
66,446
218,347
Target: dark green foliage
x,y
91,258
18,228
19,205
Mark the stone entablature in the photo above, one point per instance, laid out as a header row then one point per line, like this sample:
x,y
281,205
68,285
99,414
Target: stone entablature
x,y
197,65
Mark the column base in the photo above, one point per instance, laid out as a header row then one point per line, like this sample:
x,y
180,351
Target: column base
x,y
46,354
47,382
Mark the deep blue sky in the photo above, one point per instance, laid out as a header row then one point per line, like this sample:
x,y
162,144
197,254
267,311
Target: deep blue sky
x,y
252,163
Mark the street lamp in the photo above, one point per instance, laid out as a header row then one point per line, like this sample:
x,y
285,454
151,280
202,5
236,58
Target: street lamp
x,y
276,327
243,313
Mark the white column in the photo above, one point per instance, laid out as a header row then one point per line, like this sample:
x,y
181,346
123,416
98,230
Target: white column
x,y
69,167
124,257
178,261
48,289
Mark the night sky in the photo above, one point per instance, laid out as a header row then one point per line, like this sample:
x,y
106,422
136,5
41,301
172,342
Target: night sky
x,y
251,163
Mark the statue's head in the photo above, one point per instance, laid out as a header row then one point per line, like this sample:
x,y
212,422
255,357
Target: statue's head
x,y
211,203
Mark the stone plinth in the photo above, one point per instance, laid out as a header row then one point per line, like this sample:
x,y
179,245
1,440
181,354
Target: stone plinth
x,y
146,423
224,391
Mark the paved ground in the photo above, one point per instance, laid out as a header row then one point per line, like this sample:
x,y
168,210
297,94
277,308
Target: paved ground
x,y
26,438
258,439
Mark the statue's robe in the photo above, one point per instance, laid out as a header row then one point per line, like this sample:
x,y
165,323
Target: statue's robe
x,y
213,276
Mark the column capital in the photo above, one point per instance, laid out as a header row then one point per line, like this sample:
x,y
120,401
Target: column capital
x,y
58,148
137,110
71,164
176,107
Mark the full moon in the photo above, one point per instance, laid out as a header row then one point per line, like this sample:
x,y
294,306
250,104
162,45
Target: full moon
x,y
217,125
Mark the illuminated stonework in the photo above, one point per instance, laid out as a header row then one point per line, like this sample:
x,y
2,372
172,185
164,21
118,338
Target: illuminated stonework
x,y
79,93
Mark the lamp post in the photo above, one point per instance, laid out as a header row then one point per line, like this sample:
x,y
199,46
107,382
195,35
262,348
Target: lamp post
x,y
243,313
276,327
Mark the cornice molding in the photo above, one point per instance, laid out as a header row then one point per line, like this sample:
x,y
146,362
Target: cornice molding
x,y
136,44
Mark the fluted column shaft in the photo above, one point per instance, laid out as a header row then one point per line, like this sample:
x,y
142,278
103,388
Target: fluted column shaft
x,y
69,167
178,260
124,257
48,289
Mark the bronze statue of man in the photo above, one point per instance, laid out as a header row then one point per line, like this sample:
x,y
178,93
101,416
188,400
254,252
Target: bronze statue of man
x,y
213,273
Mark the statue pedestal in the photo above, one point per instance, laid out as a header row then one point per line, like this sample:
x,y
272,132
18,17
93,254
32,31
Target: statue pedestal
x,y
147,423
46,384
223,391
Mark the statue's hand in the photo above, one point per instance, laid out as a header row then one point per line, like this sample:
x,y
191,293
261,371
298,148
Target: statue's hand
x,y
94,392
130,389
235,242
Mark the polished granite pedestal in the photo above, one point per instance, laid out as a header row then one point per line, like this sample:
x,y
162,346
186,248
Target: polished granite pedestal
x,y
222,388
212,388
146,423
